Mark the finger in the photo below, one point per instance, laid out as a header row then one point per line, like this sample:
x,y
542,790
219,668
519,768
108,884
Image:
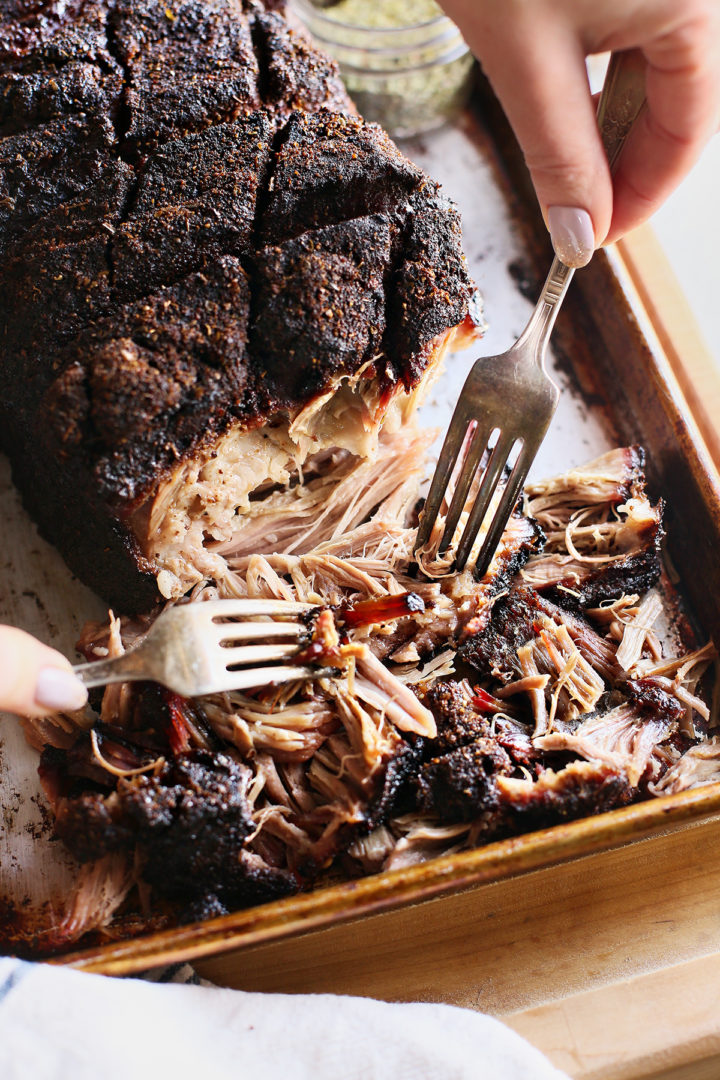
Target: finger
x,y
34,679
537,68
683,95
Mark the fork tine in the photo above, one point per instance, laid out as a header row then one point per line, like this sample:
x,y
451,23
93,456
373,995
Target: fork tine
x,y
246,631
443,471
222,609
255,654
467,474
504,508
269,676
493,472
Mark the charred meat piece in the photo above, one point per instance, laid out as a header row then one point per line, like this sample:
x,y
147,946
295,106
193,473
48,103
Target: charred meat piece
x,y
554,657
603,534
47,166
188,64
188,822
581,789
321,304
398,791
333,167
459,721
517,619
194,203
462,784
293,73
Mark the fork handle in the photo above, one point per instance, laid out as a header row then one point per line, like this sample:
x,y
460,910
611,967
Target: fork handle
x,y
130,666
621,102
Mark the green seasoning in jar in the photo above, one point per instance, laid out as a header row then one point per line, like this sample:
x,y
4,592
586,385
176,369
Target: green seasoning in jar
x,y
404,63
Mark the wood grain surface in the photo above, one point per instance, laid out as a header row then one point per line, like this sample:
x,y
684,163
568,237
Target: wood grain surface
x,y
610,965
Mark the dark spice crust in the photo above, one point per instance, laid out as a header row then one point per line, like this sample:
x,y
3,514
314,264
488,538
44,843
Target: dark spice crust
x,y
188,64
460,785
188,824
174,152
179,355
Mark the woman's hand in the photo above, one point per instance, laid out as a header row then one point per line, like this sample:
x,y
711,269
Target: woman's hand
x,y
34,679
533,52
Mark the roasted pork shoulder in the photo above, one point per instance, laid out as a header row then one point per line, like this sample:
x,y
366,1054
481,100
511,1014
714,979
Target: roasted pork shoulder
x,y
213,271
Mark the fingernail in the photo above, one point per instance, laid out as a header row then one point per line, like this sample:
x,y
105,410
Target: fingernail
x,y
58,689
572,235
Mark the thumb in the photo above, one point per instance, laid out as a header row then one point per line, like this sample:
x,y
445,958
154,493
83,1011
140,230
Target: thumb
x,y
34,679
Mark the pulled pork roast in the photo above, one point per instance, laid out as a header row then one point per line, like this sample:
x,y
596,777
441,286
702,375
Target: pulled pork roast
x,y
461,711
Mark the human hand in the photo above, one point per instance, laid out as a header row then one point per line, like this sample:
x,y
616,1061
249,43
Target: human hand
x,y
533,52
34,679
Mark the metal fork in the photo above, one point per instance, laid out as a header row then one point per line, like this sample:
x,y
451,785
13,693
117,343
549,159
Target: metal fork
x,y
512,393
193,650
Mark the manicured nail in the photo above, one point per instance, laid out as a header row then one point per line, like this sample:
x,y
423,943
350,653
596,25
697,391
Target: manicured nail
x,y
59,690
572,235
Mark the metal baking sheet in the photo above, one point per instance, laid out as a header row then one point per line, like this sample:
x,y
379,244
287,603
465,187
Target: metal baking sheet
x,y
506,249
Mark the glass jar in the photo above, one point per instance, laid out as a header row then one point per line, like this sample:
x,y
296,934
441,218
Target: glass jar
x,y
410,77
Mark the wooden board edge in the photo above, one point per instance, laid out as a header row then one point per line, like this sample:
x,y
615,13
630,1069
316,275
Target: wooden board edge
x,y
677,330
613,1033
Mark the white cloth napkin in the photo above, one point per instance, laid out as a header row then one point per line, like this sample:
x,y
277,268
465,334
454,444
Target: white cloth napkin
x,y
58,1024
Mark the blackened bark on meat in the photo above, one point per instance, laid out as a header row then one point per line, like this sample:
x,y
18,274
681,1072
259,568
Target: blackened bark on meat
x,y
331,168
54,282
153,380
30,98
52,67
188,64
460,785
188,823
635,573
92,825
459,723
47,166
320,303
195,202
512,625
517,619
581,789
249,881
397,793
293,74
52,33
655,702
431,288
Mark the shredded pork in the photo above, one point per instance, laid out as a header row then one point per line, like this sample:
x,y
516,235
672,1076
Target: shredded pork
x,y
462,710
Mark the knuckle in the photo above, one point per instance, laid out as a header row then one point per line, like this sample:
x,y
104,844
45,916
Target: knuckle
x,y
552,174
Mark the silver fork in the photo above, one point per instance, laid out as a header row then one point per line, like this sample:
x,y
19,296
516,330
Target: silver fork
x,y
512,393
193,650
